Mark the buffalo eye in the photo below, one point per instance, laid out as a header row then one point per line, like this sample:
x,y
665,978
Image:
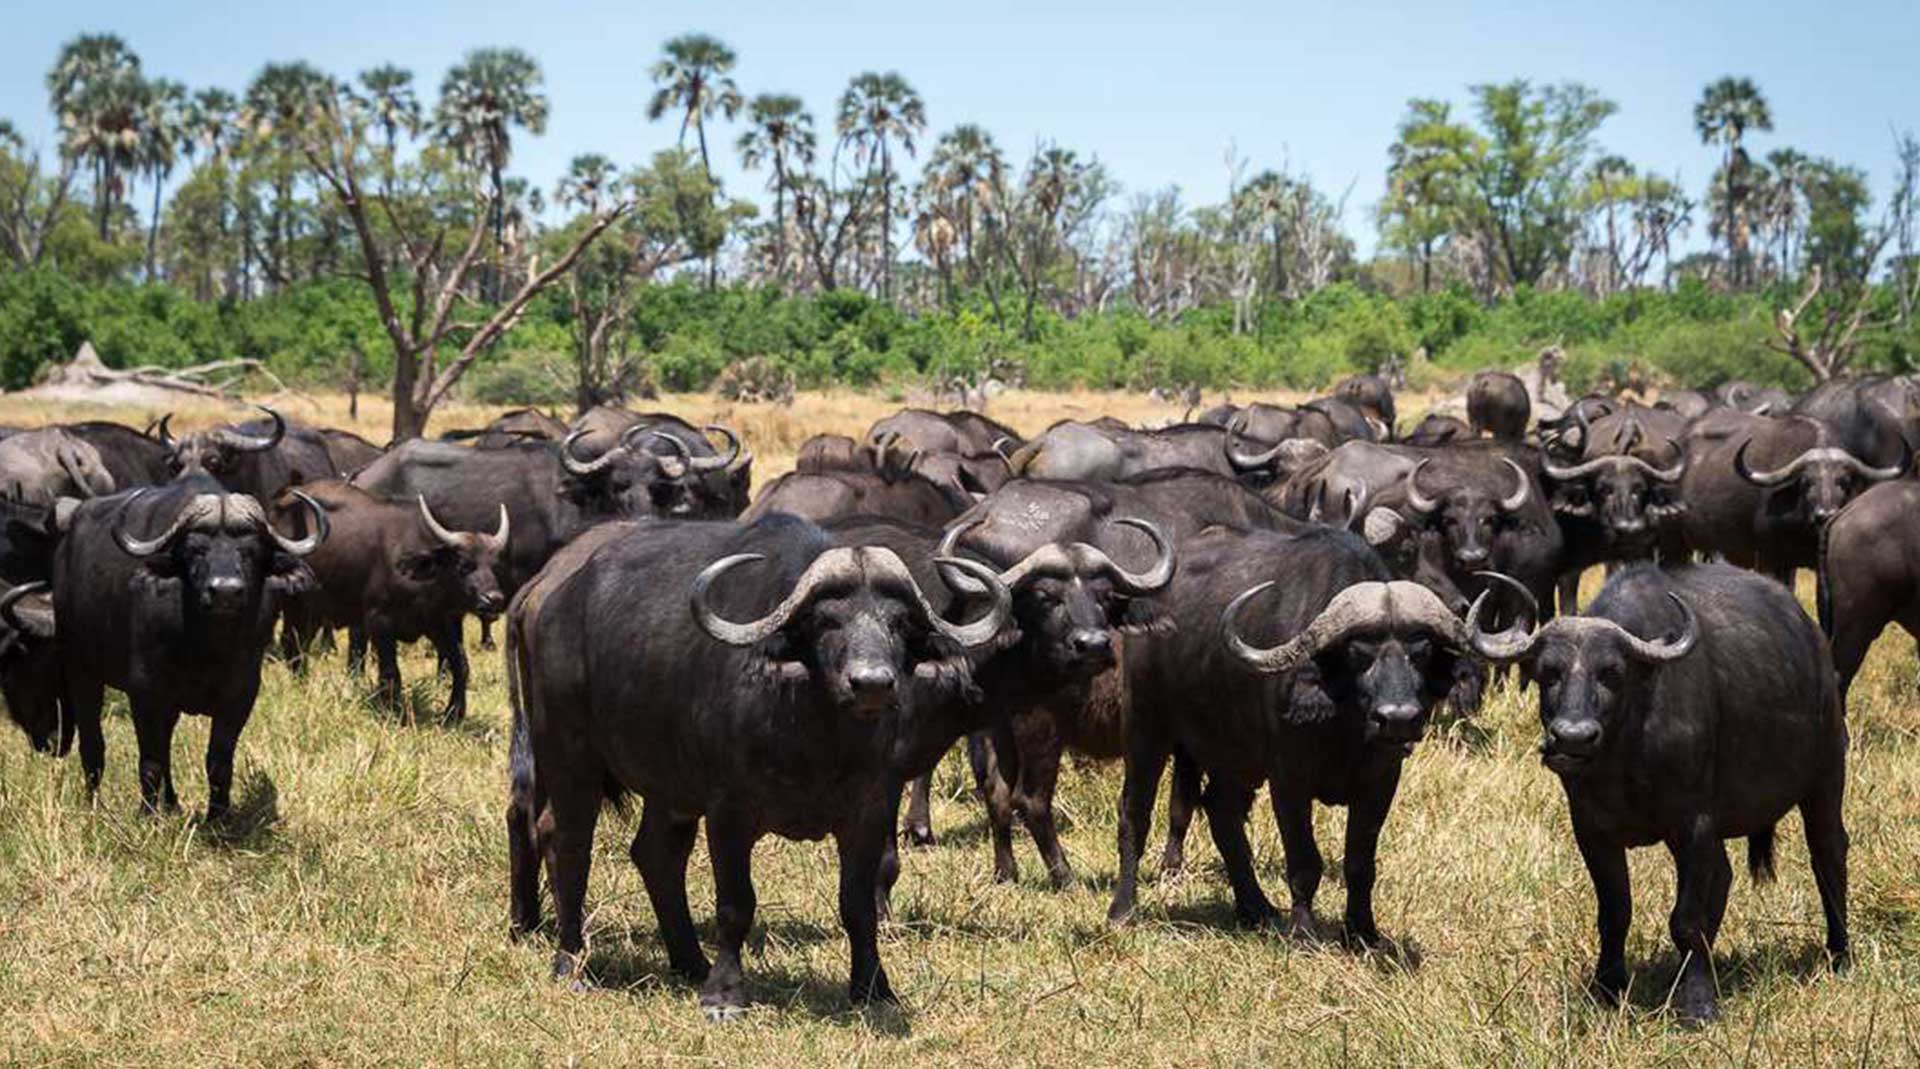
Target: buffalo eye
x,y
1609,676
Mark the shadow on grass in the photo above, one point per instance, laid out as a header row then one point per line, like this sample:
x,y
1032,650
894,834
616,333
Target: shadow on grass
x,y
1653,983
635,966
250,823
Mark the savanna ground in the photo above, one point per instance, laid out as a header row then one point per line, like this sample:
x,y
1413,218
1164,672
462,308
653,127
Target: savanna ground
x,y
356,912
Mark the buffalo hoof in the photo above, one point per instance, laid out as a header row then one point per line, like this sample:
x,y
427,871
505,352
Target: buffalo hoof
x,y
570,969
1697,1013
918,835
1302,925
874,992
1120,914
1173,862
1061,879
1841,961
723,1004
1257,916
1607,989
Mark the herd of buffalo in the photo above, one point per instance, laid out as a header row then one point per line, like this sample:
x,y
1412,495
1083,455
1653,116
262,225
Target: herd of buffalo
x,y
1262,595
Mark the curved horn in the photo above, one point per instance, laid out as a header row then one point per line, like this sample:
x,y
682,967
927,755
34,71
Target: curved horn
x,y
1514,501
166,437
247,443
1000,445
716,462
1416,500
1513,643
1245,461
318,533
967,635
137,547
957,579
1155,578
834,564
1661,650
38,624
497,541
576,466
1575,471
1764,478
1882,474
434,527
1414,603
1341,616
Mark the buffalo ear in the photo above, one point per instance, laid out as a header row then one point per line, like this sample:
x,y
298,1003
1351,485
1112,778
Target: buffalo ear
x,y
1141,616
1307,698
290,575
1382,526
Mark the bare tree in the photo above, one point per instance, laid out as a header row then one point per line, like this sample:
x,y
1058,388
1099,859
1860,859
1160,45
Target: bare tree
x,y
29,204
1830,346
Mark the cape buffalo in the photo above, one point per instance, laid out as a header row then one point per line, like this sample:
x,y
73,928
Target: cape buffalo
x,y
1626,481
960,432
1074,450
1374,396
1320,694
393,572
1870,573
663,463
253,458
176,589
348,451
1438,430
1497,404
518,425
793,700
1693,705
130,457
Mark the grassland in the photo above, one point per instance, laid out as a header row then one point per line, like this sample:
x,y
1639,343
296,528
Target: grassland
x,y
357,913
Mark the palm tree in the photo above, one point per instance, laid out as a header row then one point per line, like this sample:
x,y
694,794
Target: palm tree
x,y
391,102
965,168
97,94
481,100
163,132
588,179
278,104
876,111
692,77
779,132
1609,180
1727,109
1790,171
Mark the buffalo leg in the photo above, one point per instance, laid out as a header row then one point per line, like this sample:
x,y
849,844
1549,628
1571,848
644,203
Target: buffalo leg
x,y
1699,902
920,811
996,795
1146,758
1827,850
565,832
861,848
1183,797
1613,892
730,843
153,725
523,850
1365,818
453,653
486,633
387,654
356,651
83,705
222,741
1227,807
1853,635
1039,777
660,851
1294,815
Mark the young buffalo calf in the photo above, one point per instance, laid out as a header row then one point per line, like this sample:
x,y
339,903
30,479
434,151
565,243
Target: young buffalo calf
x,y
1692,706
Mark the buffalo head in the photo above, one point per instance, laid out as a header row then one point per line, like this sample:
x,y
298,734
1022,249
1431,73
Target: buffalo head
x,y
222,552
463,561
1384,649
29,669
650,472
1584,666
1467,513
218,450
857,625
1820,481
1070,599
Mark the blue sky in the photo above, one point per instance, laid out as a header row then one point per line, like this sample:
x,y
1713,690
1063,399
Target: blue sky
x,y
1156,91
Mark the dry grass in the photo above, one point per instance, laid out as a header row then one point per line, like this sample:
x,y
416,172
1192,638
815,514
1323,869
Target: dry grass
x,y
360,917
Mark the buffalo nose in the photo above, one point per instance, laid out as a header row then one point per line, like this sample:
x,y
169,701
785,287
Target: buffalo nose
x,y
1397,713
1090,641
224,586
870,679
491,602
1574,735
1471,556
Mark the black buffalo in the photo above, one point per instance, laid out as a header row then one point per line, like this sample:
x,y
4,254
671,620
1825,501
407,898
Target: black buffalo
x,y
960,432
1870,572
811,678
1319,694
258,458
518,425
1071,449
1497,404
1692,706
393,572
176,589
